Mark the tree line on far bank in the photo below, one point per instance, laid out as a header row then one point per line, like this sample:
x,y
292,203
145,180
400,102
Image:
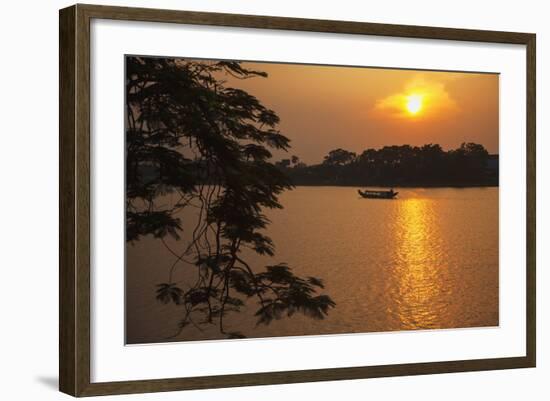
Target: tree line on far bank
x,y
405,165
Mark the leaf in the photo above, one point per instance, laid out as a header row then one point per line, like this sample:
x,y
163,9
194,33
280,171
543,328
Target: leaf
x,y
168,292
316,282
235,335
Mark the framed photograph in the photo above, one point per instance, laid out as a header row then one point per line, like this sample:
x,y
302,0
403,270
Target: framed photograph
x,y
251,200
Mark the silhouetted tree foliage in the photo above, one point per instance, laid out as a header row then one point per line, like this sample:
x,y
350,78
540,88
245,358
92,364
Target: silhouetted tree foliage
x,y
404,165
339,157
189,134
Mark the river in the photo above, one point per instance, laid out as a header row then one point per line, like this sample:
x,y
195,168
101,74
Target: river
x,y
426,260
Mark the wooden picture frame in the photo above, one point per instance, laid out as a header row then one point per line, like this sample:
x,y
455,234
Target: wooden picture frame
x,y
74,206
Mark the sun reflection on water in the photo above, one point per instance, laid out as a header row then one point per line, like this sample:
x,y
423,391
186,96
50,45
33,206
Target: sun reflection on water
x,y
419,266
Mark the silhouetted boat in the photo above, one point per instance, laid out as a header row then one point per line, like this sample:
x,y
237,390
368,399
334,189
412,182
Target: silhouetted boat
x,y
378,194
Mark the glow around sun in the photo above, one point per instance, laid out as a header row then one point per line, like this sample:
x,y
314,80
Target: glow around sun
x,y
421,99
414,103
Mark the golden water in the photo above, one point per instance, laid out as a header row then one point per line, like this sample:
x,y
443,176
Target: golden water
x,y
426,260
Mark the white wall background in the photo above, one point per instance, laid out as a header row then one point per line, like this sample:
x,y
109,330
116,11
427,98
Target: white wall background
x,y
29,185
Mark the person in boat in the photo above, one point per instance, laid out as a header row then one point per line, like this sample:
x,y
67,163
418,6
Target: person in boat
x,y
391,192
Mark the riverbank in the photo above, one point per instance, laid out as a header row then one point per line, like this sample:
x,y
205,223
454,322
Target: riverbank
x,y
374,186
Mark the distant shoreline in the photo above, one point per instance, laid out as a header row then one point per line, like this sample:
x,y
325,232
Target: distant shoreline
x,y
428,166
399,186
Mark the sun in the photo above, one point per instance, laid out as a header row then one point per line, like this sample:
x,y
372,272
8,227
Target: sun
x,y
414,104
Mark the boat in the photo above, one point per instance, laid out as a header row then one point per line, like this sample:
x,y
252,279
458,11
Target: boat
x,y
391,194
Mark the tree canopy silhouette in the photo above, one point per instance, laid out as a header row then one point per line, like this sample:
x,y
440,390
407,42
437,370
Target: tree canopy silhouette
x,y
189,134
339,157
404,165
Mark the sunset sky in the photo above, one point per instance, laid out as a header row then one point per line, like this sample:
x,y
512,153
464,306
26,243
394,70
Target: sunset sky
x,y
325,107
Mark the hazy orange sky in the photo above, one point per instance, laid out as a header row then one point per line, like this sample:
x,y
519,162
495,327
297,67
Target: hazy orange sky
x,y
355,108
